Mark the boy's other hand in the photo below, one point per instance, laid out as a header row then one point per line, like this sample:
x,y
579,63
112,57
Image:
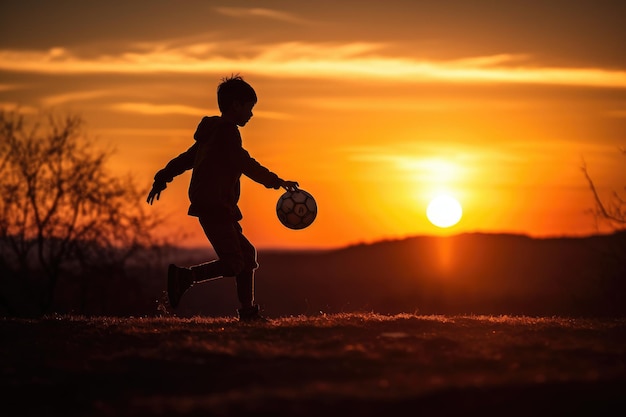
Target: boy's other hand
x,y
157,187
161,179
290,185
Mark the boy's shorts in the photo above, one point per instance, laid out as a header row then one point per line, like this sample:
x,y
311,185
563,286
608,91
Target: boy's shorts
x,y
233,249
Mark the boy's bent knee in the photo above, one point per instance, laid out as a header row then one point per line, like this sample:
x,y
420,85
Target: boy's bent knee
x,y
242,263
234,267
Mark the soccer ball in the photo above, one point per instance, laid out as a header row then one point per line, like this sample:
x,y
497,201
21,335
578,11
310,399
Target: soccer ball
x,y
296,210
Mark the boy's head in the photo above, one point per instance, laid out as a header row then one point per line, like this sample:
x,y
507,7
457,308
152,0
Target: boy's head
x,y
234,90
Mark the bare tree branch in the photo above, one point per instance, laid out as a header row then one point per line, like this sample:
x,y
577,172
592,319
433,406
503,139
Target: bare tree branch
x,y
615,213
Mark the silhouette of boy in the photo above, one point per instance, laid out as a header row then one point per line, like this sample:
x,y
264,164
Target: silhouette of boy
x,y
218,160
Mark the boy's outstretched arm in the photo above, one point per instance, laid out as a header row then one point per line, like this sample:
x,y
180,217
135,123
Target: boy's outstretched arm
x,y
175,167
257,172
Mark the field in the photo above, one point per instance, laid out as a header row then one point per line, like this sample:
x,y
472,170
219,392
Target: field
x,y
360,364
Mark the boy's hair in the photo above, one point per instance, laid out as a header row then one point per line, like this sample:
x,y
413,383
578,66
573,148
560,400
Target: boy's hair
x,y
234,89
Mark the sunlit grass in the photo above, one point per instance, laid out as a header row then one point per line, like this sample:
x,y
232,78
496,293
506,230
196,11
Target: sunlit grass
x,y
330,320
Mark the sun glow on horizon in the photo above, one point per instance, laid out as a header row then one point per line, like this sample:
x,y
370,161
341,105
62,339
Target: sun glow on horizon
x,y
444,211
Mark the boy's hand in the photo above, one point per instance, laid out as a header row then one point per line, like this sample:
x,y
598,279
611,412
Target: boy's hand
x,y
290,185
157,187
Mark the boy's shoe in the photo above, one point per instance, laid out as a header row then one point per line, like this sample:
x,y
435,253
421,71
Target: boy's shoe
x,y
179,280
250,314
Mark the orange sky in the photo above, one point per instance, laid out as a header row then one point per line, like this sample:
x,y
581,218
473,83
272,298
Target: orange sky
x,y
374,107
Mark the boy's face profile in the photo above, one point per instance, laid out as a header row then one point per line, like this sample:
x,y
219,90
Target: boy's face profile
x,y
242,112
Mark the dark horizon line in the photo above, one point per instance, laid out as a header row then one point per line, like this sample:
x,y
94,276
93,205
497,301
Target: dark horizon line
x,y
268,249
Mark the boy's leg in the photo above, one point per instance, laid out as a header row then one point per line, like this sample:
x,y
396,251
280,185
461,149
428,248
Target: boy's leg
x,y
245,288
179,280
245,279
224,237
245,284
236,257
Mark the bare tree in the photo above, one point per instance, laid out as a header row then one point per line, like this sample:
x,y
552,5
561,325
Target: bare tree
x,y
612,211
610,283
62,213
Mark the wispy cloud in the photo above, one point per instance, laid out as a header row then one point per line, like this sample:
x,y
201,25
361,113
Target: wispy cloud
x,y
161,109
8,87
408,104
158,109
59,99
431,168
245,12
116,132
293,59
18,108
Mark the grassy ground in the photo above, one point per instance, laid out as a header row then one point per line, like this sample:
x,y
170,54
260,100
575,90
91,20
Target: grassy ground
x,y
334,365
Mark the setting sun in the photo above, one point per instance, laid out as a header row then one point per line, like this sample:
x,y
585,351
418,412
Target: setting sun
x,y
444,211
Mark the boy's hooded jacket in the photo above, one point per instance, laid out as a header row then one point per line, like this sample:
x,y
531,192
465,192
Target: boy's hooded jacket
x,y
218,159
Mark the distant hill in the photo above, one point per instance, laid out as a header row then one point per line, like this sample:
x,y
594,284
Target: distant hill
x,y
463,274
